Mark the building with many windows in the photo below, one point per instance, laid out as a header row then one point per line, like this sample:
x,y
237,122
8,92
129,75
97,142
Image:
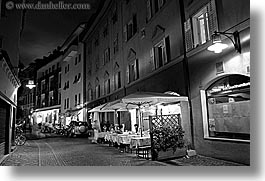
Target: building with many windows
x,y
131,48
219,82
160,46
72,77
48,92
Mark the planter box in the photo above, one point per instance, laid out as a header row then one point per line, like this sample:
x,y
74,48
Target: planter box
x,y
169,154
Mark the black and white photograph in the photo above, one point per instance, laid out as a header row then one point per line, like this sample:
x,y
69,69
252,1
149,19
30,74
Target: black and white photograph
x,y
120,83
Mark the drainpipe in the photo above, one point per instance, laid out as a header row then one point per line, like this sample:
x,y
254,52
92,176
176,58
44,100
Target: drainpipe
x,y
186,67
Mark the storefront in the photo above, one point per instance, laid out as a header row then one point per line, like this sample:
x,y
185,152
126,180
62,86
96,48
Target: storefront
x,y
220,93
8,103
44,115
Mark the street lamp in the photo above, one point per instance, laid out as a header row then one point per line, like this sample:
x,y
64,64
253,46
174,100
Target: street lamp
x,y
217,45
30,84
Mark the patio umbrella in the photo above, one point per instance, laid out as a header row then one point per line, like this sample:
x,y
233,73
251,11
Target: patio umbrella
x,y
140,100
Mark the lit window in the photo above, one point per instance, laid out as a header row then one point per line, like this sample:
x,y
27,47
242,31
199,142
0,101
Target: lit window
x,y
200,27
228,108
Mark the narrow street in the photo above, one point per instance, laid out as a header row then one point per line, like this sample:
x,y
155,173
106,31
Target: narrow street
x,y
62,151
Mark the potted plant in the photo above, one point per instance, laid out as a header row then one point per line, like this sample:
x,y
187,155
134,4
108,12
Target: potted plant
x,y
168,142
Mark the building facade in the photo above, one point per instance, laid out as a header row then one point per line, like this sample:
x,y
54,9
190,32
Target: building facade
x,y
26,95
161,46
73,77
10,24
48,92
130,47
220,83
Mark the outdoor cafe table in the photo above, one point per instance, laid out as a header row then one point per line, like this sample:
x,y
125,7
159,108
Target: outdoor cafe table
x,y
126,138
140,141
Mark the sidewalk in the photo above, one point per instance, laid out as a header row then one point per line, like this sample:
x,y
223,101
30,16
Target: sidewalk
x,y
199,160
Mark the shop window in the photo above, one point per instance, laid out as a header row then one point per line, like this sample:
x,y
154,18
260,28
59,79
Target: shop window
x,y
227,104
200,27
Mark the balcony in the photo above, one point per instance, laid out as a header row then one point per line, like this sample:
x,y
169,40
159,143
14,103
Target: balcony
x,y
71,52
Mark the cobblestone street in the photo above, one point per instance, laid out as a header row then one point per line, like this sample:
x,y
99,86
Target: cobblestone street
x,y
72,152
62,151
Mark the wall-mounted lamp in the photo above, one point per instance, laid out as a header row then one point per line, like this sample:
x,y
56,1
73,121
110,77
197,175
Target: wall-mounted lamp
x,y
217,45
30,84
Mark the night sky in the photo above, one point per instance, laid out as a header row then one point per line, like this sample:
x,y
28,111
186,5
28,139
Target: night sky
x,y
44,30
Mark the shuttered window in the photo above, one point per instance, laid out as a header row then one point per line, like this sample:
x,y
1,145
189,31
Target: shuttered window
x,y
200,27
160,53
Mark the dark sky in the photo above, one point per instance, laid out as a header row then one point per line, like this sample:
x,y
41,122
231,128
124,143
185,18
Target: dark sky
x,y
44,30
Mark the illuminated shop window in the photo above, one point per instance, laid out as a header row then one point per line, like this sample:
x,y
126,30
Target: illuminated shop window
x,y
228,108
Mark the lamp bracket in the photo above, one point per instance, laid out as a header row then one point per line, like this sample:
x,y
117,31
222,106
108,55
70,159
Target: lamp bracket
x,y
236,41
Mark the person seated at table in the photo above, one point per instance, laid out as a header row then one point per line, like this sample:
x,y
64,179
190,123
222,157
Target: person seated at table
x,y
136,127
119,129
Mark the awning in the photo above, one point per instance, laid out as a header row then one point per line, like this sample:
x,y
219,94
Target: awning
x,y
143,99
98,108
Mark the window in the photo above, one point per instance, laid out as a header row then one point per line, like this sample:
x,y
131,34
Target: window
x,y
79,99
116,44
148,10
67,68
64,103
43,86
97,63
130,28
42,100
68,103
97,91
77,78
75,100
90,95
51,99
59,97
133,71
227,103
53,67
51,83
106,56
200,27
59,79
106,86
117,80
160,54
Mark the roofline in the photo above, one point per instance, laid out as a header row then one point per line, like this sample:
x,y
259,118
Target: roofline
x,y
77,31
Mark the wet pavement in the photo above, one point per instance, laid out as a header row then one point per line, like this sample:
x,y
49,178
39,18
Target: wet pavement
x,y
61,151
